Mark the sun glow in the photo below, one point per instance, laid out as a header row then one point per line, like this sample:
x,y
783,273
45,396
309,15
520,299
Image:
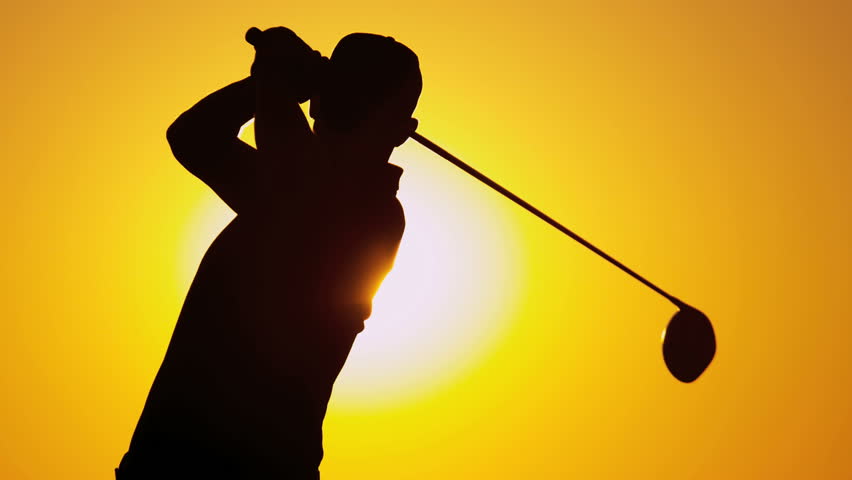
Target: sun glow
x,y
449,296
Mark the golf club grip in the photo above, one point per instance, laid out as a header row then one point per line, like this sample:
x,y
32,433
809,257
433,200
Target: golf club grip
x,y
253,35
538,213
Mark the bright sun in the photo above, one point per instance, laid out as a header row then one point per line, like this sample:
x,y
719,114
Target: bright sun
x,y
449,297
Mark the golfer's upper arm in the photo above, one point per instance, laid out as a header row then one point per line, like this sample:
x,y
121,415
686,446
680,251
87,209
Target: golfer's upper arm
x,y
225,163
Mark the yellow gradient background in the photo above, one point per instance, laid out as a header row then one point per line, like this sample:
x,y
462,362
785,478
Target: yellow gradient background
x,y
707,145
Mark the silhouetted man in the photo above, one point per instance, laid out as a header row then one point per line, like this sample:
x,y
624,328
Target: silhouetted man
x,y
282,292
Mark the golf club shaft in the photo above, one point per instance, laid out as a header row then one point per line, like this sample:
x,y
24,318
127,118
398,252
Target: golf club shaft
x,y
538,213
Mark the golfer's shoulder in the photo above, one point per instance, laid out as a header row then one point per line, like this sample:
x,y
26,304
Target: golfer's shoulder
x,y
394,206
395,216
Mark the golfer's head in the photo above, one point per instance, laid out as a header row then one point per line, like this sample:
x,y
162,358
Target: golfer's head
x,y
370,91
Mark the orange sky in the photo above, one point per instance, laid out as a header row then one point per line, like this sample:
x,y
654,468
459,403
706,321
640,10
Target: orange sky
x,y
707,146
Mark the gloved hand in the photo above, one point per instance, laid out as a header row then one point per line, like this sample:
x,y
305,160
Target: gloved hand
x,y
281,54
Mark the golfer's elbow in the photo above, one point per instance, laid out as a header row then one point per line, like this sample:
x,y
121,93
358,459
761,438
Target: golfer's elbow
x,y
179,134
183,139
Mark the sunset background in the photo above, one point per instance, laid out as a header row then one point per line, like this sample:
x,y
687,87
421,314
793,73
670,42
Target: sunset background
x,y
708,146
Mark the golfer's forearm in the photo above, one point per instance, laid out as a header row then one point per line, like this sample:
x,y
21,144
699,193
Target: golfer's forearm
x,y
280,128
217,116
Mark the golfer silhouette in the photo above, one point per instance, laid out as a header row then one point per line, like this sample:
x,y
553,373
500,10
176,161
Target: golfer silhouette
x,y
284,289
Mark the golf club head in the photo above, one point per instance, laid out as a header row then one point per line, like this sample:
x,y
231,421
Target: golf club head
x,y
689,344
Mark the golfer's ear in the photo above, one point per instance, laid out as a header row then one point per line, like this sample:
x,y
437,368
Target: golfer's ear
x,y
408,128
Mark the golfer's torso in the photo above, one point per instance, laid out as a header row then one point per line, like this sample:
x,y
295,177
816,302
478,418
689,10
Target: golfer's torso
x,y
260,339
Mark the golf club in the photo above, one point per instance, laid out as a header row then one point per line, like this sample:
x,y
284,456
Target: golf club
x,y
689,343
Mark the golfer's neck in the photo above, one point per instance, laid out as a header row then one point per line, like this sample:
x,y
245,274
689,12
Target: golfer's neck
x,y
355,157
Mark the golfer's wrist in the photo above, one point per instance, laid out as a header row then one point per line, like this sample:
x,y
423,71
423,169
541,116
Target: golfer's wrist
x,y
298,79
